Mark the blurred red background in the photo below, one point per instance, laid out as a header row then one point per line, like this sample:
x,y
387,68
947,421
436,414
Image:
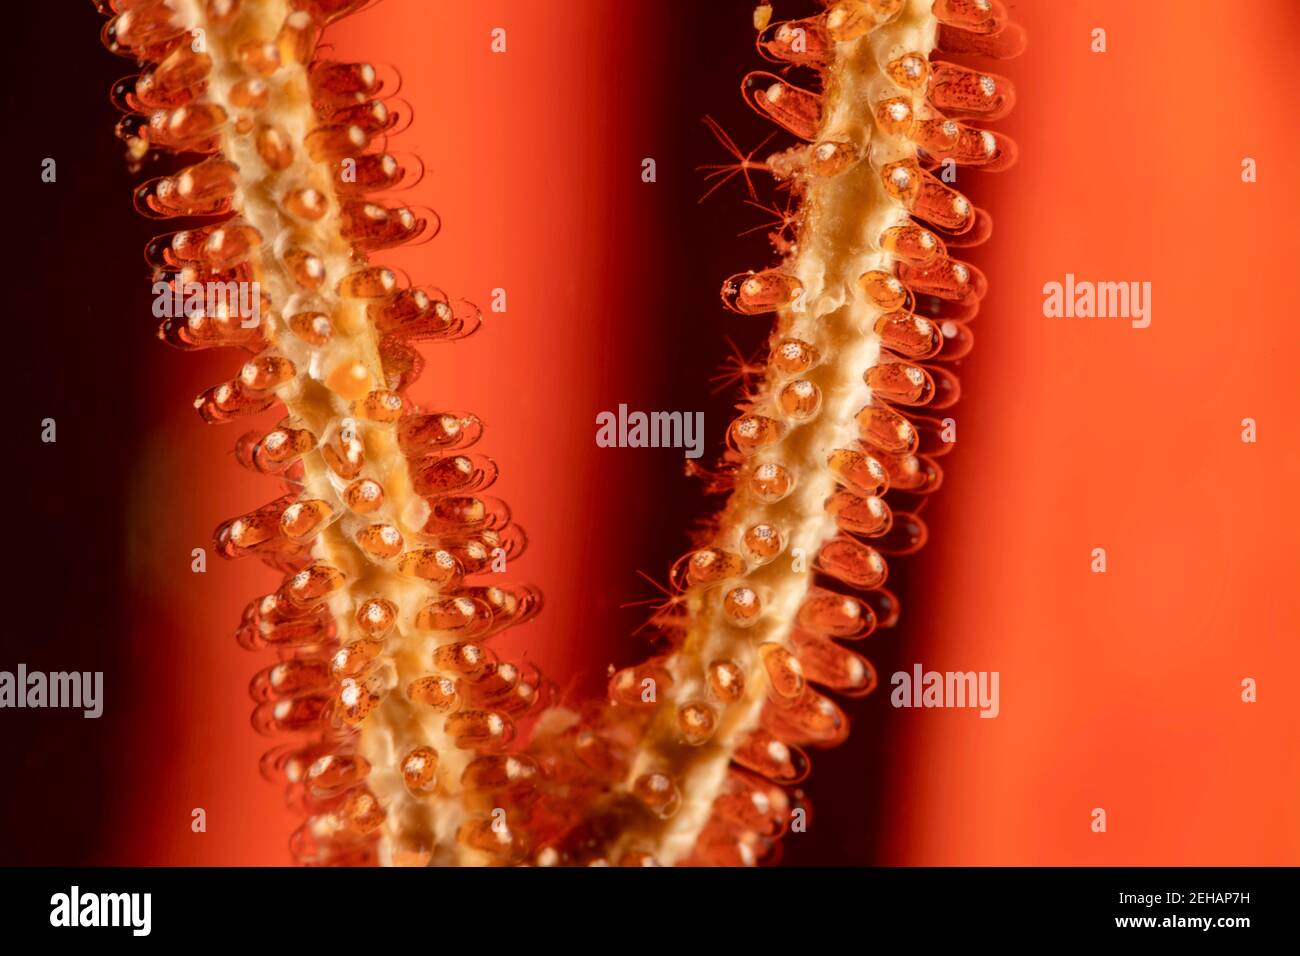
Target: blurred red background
x,y
1119,691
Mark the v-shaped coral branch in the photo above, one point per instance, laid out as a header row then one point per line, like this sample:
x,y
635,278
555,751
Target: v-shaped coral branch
x,y
401,721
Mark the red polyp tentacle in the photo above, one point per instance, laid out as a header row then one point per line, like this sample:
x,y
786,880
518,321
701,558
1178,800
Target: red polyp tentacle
x,y
790,107
804,42
1009,42
984,17
958,91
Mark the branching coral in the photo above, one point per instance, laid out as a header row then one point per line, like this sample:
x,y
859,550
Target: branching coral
x,y
403,719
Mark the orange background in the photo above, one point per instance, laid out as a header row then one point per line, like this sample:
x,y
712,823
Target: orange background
x,y
1122,690
1119,690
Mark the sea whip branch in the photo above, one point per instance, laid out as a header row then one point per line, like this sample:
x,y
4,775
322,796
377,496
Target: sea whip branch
x,y
397,712
867,300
